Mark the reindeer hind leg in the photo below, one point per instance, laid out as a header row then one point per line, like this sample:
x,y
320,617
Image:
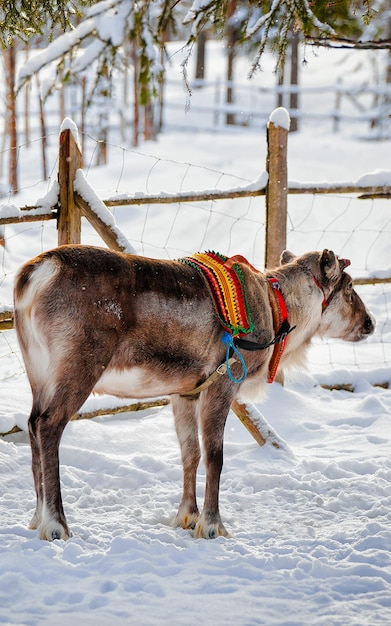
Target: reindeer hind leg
x,y
46,427
50,426
36,466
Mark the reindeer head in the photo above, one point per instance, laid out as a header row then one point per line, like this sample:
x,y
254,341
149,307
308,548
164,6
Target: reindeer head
x,y
344,314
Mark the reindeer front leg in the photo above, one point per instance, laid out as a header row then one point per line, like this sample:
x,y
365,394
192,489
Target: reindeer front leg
x,y
185,414
215,405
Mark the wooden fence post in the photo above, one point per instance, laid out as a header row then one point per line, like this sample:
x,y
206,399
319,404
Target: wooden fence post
x,y
69,217
277,186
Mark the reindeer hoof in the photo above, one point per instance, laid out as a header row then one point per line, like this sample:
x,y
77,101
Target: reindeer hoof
x,y
186,518
56,535
35,522
210,530
52,531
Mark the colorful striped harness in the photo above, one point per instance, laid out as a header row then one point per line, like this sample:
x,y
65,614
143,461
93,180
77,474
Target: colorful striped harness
x,y
225,282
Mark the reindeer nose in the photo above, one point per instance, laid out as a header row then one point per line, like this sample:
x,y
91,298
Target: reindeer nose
x,y
369,325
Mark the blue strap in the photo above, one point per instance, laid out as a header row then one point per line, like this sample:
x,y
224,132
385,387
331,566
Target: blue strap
x,y
229,342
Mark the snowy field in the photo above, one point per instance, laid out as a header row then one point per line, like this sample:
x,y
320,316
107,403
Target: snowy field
x,y
310,522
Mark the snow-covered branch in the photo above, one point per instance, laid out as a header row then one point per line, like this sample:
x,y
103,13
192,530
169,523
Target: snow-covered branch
x,y
350,44
105,23
110,23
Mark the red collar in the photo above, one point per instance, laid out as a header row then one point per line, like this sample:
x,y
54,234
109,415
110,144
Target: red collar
x,y
280,315
326,301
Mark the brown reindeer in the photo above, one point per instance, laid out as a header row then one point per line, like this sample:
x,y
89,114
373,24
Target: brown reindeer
x,y
90,319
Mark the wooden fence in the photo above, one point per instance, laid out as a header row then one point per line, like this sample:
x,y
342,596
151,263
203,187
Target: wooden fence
x,y
339,103
71,206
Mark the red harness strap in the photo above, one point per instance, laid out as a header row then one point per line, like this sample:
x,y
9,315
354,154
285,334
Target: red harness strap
x,y
280,315
326,301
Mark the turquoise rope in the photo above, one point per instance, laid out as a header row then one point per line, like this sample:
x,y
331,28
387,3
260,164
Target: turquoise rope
x,y
227,339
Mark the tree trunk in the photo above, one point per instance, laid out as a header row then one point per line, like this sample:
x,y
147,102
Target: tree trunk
x,y
27,105
388,71
376,121
103,119
83,117
61,98
127,52
43,130
10,70
231,38
136,96
161,94
200,60
388,68
280,83
149,127
294,96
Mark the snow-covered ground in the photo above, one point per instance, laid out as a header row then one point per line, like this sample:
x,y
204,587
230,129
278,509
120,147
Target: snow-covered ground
x,y
310,522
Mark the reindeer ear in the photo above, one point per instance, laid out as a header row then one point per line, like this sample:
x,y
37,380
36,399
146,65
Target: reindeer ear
x,y
329,265
343,263
287,257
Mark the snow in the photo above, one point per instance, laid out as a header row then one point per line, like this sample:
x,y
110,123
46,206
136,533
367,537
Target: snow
x,y
111,25
50,199
280,118
377,178
196,6
69,124
88,55
87,193
256,185
106,22
310,522
59,47
9,210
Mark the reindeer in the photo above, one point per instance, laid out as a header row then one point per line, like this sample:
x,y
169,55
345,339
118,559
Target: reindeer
x,y
92,320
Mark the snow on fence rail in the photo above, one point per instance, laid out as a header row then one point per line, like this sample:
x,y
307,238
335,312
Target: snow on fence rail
x,y
71,197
